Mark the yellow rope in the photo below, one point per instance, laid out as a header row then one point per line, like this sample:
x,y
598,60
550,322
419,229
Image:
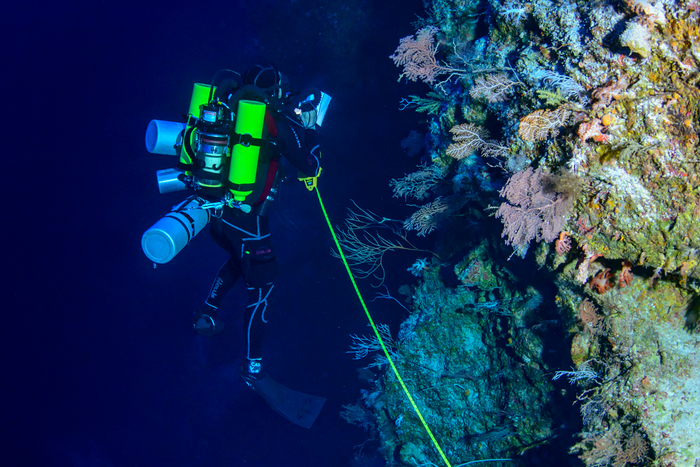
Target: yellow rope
x,y
379,337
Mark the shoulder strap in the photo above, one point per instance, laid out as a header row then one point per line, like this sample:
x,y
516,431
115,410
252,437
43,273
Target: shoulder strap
x,y
272,168
270,123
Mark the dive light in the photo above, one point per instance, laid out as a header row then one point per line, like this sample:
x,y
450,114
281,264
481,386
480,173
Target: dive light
x,y
321,108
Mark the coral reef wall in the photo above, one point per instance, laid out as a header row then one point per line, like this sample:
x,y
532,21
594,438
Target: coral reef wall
x,y
572,127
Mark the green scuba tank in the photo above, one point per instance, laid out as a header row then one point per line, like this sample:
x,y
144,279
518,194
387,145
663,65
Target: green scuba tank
x,y
250,119
199,98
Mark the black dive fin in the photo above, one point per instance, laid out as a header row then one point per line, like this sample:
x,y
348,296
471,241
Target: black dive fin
x,y
297,407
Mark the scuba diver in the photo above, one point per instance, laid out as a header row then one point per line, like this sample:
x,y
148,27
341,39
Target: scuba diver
x,y
230,154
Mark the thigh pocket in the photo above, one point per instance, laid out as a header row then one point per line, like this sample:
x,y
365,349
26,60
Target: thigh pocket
x,y
261,271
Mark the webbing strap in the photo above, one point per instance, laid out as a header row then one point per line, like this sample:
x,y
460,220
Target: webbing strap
x,y
379,337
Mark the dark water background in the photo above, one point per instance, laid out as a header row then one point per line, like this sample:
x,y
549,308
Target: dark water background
x,y
99,364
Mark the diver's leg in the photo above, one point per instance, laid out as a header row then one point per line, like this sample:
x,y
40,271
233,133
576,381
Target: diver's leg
x,y
260,268
205,323
255,319
225,280
204,318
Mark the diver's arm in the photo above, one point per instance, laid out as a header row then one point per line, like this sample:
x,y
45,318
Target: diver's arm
x,y
313,154
300,148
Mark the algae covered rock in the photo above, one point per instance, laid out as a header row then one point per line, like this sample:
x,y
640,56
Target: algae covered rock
x,y
480,385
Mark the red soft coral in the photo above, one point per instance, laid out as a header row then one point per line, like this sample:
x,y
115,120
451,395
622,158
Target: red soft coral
x,y
626,275
601,282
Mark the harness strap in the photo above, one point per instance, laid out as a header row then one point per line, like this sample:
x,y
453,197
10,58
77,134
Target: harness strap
x,y
186,140
189,229
269,180
271,124
247,140
272,168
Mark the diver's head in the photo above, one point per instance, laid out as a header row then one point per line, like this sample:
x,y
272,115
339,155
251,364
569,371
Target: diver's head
x,y
306,107
269,78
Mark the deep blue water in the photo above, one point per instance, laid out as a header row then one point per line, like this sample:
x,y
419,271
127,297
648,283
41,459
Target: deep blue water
x,y
100,367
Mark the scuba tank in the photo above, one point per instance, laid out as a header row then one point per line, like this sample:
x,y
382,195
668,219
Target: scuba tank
x,y
219,155
219,160
244,157
163,137
205,145
211,148
179,139
167,237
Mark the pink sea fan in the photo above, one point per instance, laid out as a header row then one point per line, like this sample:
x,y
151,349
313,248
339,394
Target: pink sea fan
x,y
533,209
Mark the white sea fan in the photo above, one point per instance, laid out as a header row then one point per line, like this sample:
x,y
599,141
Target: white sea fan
x,y
578,159
568,87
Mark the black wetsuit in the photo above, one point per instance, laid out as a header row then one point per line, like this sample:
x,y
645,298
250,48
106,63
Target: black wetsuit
x,y
246,236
